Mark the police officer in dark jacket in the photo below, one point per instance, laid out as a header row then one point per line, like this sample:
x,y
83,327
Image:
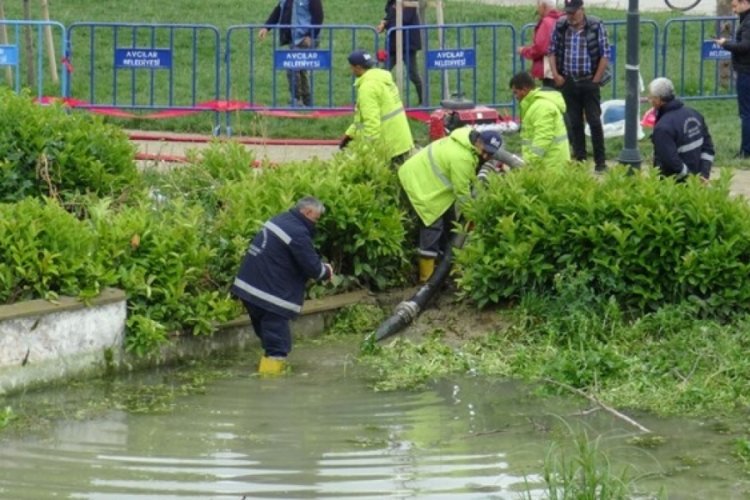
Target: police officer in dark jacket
x,y
305,18
682,143
412,42
271,280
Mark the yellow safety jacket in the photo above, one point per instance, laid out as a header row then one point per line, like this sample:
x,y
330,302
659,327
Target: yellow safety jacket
x,y
544,138
379,113
440,174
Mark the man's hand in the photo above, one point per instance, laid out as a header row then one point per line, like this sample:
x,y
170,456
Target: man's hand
x,y
559,80
344,141
262,34
519,50
380,27
330,270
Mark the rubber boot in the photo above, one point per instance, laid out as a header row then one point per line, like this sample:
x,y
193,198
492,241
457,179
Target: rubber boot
x,y
426,268
270,366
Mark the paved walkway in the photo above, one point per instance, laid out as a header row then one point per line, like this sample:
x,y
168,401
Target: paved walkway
x,y
151,145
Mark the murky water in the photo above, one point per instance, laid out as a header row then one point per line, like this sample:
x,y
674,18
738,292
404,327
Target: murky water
x,y
322,433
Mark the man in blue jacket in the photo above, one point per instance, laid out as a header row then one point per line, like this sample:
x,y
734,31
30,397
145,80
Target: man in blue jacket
x,y
682,143
271,280
305,18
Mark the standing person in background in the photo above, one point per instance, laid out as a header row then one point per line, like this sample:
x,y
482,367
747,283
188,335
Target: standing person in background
x,y
412,42
305,17
740,49
682,143
537,51
378,111
271,280
544,139
579,53
436,178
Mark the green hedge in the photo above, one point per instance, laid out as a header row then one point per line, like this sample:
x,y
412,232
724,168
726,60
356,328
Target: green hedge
x,y
46,151
643,240
45,252
174,241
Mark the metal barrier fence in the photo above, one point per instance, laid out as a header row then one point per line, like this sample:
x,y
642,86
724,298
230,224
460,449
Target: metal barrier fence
x,y
177,69
709,78
127,66
472,60
23,47
259,74
617,36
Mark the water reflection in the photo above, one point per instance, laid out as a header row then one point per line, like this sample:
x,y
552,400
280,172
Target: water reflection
x,y
320,433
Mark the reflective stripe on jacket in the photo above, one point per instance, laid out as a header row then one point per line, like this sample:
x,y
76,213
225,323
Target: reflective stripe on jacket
x,y
278,263
440,174
379,113
544,138
682,143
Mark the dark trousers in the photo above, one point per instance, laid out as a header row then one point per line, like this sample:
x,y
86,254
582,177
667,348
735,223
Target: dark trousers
x,y
584,98
435,238
299,83
272,329
410,61
743,101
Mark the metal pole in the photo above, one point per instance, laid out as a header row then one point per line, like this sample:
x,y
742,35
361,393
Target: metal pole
x,y
441,23
29,46
49,42
630,154
400,46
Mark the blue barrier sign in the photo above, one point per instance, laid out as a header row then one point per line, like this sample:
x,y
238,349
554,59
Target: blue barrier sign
x,y
143,58
8,55
302,59
451,59
712,50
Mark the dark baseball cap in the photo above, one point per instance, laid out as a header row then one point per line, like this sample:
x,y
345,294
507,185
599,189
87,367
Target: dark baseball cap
x,y
572,6
491,141
361,58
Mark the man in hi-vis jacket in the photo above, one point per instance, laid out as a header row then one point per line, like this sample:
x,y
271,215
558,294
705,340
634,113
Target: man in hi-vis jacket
x,y
378,112
271,280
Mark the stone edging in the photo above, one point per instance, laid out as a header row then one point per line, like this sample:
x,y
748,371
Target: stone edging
x,y
43,342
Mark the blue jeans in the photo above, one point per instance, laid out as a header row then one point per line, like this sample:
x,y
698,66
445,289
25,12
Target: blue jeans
x,y
300,81
743,101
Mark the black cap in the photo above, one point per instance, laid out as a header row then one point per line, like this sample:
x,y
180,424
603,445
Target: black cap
x,y
572,6
491,141
361,58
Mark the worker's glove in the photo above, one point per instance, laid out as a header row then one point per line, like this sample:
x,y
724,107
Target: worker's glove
x,y
329,268
344,141
488,168
683,173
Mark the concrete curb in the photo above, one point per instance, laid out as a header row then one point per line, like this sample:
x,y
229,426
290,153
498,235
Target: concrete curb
x,y
43,342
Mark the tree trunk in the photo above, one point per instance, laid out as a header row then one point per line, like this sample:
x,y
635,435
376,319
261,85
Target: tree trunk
x,y
29,46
